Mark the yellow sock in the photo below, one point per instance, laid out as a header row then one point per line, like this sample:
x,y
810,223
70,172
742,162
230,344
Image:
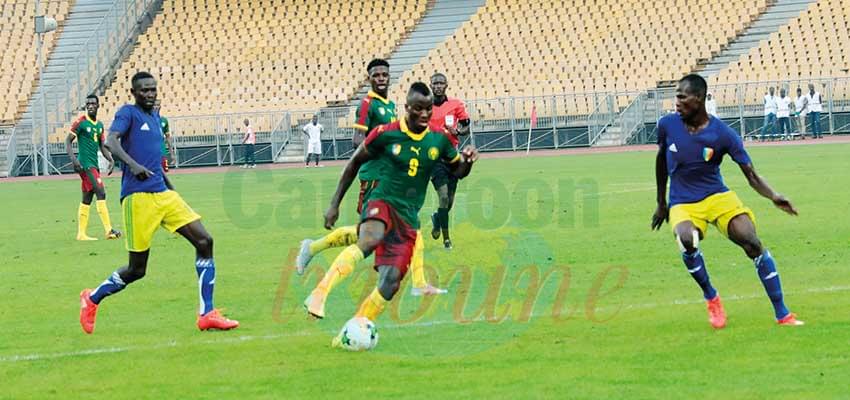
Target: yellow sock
x,y
373,306
103,211
417,262
82,219
339,237
342,267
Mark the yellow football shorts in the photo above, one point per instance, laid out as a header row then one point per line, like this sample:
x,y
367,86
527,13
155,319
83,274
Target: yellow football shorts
x,y
717,209
144,212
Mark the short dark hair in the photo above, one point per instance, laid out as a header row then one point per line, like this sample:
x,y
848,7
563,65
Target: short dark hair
x,y
440,74
419,87
139,76
378,62
696,83
92,96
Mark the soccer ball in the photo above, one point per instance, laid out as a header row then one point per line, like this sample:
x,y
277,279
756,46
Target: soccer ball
x,y
359,334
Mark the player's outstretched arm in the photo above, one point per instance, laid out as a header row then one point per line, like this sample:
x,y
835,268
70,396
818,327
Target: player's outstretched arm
x,y
113,144
468,156
661,214
760,185
70,149
349,173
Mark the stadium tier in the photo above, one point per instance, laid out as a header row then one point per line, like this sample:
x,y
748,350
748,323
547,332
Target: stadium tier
x,y
815,44
265,56
540,47
18,67
215,57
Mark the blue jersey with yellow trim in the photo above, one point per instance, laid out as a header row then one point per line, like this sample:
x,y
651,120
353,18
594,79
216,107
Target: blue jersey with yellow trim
x,y
141,138
693,160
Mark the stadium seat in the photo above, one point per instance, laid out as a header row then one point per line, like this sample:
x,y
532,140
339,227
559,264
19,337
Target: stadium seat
x,y
18,69
814,45
271,55
540,47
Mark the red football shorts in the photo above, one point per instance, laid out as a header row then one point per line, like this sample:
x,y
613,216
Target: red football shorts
x,y
91,179
399,237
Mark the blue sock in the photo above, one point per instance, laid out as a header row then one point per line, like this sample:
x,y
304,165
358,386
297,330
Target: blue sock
x,y
206,281
766,268
110,286
696,266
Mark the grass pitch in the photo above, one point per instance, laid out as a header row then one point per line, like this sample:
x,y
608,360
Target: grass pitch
x,y
558,289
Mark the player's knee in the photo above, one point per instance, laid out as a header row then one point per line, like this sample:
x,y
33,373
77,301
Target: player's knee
x,y
688,243
204,243
444,200
752,246
369,240
390,282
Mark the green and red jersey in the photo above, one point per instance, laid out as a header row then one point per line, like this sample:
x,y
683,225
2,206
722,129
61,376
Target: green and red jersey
x,y
374,110
89,134
163,123
406,160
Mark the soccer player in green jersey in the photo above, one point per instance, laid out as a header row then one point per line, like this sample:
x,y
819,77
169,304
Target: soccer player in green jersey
x,y
88,132
373,110
407,152
167,144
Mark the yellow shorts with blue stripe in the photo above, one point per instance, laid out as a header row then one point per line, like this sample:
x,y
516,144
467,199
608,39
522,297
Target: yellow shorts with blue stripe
x,y
144,212
717,209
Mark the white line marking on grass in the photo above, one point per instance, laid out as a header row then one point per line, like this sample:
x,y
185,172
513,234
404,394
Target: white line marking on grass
x,y
251,338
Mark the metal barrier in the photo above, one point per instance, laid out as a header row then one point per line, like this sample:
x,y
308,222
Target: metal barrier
x,y
84,71
600,118
565,120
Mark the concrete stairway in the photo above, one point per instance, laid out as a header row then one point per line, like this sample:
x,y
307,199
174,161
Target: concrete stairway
x,y
4,162
775,15
82,21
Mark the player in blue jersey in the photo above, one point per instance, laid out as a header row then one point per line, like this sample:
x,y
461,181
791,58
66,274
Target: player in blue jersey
x,y
148,200
691,146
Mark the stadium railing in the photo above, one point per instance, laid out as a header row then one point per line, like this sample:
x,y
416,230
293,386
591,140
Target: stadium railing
x,y
84,72
501,124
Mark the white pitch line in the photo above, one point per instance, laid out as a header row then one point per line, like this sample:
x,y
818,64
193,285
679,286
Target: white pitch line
x,y
251,338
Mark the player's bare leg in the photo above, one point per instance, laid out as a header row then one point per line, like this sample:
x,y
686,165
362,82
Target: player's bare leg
x,y
742,232
208,316
370,236
389,281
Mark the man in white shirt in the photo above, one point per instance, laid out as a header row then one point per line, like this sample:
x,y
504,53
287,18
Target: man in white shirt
x,y
769,115
802,105
313,131
710,104
249,140
783,114
815,108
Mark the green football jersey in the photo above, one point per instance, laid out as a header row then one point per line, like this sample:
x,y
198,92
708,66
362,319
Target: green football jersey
x,y
163,123
406,161
89,135
374,110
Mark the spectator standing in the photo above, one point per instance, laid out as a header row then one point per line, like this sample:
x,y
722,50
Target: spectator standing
x,y
769,115
249,140
783,114
313,131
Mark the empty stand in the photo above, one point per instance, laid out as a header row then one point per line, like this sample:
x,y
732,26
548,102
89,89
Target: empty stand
x,y
542,47
18,69
814,45
221,56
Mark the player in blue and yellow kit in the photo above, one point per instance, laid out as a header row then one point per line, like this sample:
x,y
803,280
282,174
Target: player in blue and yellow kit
x,y
691,146
148,201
